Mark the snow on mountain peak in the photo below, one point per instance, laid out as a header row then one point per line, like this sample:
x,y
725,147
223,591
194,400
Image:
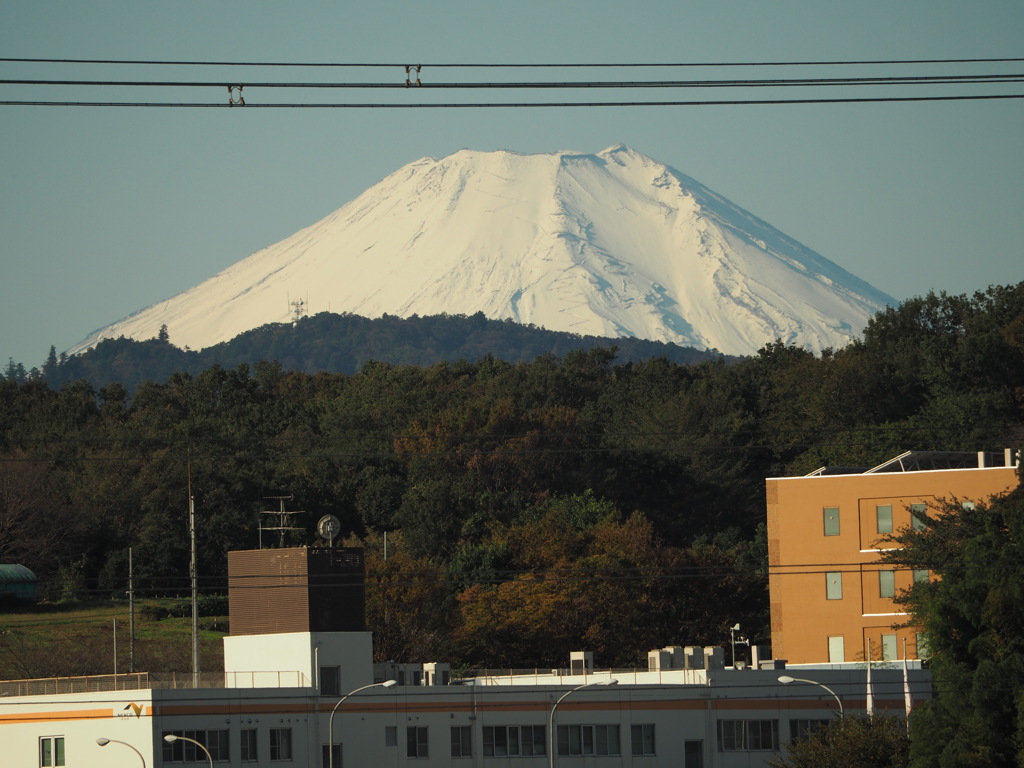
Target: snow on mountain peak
x,y
607,244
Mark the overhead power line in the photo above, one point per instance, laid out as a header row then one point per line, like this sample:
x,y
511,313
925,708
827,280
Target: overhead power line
x,y
512,105
511,65
746,83
416,82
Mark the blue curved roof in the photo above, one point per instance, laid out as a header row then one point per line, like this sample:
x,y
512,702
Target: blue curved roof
x,y
10,574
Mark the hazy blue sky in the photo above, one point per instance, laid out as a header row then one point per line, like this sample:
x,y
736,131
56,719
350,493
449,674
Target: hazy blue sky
x,y
104,211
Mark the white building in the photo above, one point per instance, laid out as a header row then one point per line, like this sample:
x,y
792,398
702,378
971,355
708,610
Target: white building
x,y
274,705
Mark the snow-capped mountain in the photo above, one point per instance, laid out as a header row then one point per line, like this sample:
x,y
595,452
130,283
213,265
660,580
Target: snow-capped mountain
x,y
608,244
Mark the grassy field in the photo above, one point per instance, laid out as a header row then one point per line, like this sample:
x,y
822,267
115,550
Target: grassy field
x,y
57,640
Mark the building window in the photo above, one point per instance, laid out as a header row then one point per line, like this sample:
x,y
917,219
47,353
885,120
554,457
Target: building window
x,y
748,735
883,516
888,647
462,741
732,735
330,681
496,741
834,585
514,740
920,575
799,729
642,737
216,742
532,740
280,743
390,735
51,751
248,745
588,739
887,583
917,513
416,741
836,650
831,515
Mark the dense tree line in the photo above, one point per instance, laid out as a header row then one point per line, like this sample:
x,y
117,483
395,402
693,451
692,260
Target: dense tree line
x,y
623,497
334,343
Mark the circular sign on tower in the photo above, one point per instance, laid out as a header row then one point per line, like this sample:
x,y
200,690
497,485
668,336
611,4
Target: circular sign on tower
x,y
328,527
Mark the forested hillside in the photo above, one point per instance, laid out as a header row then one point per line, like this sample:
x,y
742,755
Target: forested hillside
x,y
335,343
531,508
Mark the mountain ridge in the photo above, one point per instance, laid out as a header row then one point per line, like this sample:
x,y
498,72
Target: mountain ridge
x,y
612,244
344,343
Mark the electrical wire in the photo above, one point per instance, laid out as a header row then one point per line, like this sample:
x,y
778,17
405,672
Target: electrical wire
x,y
160,586
761,83
415,71
514,105
549,65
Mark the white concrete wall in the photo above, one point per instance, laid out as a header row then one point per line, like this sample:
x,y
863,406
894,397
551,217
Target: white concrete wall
x,y
79,718
270,660
351,651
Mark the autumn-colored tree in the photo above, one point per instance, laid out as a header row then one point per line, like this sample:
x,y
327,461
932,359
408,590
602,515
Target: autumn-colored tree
x,y
408,605
581,576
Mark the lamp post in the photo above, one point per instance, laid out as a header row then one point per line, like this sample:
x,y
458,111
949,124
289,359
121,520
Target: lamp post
x,y
786,680
104,741
170,738
551,716
330,723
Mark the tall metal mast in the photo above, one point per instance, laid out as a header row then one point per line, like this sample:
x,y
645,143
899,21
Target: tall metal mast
x,y
131,614
193,576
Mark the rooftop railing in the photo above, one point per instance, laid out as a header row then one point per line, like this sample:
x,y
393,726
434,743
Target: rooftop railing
x,y
48,686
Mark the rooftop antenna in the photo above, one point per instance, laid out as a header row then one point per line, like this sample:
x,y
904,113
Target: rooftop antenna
x,y
328,527
281,520
736,640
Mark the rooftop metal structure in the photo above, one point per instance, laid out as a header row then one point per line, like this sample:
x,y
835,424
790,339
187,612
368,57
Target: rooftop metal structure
x,y
928,461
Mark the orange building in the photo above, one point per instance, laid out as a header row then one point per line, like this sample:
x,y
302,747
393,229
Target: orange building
x,y
829,594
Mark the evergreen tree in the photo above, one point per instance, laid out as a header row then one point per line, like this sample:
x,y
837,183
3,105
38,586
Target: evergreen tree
x,y
15,371
50,367
972,615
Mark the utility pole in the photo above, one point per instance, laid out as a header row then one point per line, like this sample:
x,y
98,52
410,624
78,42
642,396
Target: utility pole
x,y
131,615
193,576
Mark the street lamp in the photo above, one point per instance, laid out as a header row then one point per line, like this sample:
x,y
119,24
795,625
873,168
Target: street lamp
x,y
330,723
551,716
170,738
786,680
103,742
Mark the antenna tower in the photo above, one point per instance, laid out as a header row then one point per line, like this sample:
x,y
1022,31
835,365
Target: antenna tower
x,y
298,309
280,520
